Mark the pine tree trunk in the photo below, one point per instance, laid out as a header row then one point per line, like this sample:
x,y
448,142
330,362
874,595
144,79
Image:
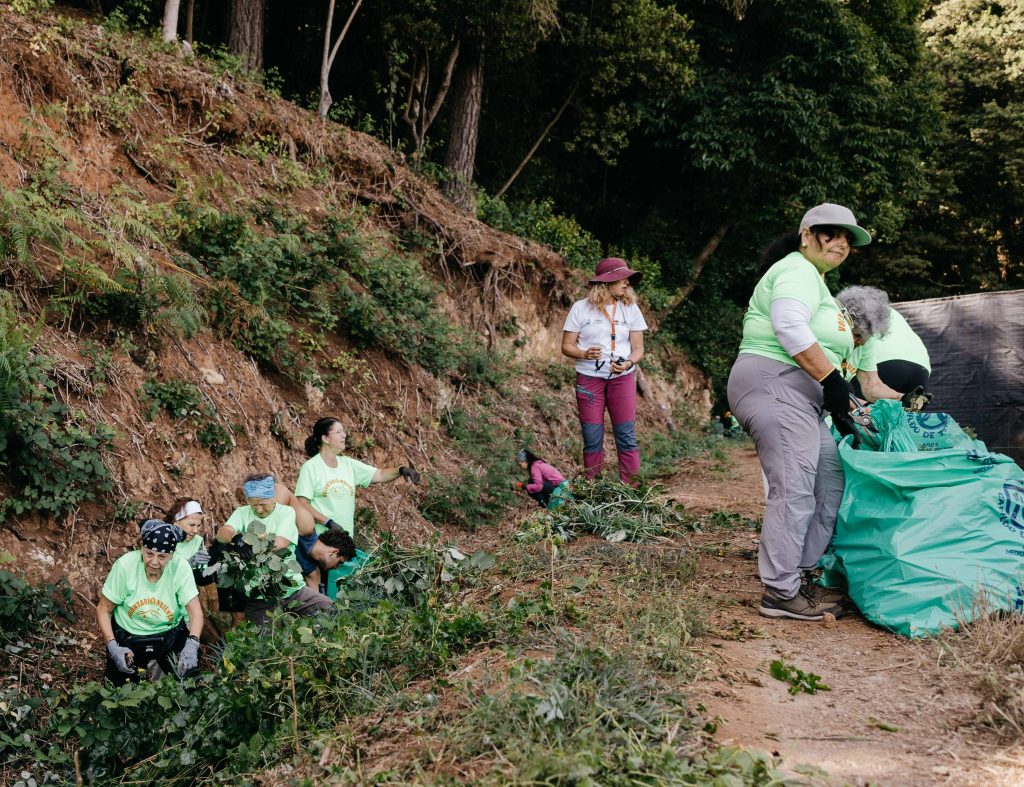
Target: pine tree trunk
x,y
464,126
190,10
246,37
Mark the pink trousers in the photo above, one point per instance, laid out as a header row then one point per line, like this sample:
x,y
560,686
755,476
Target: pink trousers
x,y
618,394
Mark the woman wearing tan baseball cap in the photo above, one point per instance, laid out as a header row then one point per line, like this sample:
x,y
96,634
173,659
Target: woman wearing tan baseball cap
x,y
784,382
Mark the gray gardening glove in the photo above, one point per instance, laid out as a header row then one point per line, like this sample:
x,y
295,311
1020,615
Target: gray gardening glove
x,y
188,658
199,559
123,657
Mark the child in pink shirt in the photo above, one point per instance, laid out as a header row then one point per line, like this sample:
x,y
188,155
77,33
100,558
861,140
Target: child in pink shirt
x,y
547,486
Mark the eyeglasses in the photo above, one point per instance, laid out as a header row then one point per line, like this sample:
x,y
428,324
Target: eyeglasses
x,y
830,233
845,313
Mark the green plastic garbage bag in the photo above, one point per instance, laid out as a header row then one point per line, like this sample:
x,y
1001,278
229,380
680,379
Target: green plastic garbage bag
x,y
346,569
897,428
921,535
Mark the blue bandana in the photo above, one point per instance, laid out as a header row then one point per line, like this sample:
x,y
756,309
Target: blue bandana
x,y
262,489
161,536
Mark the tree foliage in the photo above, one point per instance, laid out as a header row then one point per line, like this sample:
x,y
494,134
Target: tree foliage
x,y
690,133
968,234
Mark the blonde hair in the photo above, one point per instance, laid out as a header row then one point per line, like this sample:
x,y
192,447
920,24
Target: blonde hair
x,y
600,295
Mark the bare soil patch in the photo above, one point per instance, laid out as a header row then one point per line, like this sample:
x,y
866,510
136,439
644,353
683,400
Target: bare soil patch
x,y
892,717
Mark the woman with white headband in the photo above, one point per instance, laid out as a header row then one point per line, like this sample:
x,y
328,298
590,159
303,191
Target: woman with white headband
x,y
188,514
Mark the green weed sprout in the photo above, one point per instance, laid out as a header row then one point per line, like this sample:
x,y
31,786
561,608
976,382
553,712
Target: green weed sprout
x,y
798,680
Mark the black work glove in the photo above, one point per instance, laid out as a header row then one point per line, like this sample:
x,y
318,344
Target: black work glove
x,y
243,550
916,400
836,395
410,474
217,551
845,425
330,524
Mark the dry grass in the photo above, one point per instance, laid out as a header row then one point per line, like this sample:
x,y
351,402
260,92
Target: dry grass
x,y
990,651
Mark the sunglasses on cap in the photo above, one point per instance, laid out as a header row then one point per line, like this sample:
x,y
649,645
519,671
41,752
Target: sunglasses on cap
x,y
830,233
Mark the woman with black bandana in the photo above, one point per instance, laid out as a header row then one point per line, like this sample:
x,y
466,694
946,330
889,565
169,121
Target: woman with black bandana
x,y
144,604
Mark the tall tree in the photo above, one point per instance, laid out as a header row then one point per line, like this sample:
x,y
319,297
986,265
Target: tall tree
x,y
245,36
170,20
968,233
464,124
612,62
331,52
484,26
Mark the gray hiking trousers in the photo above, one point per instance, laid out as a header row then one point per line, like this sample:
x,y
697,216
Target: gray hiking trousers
x,y
304,602
780,407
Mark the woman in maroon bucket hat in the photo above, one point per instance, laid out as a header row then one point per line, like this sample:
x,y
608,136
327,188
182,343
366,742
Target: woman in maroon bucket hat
x,y
604,333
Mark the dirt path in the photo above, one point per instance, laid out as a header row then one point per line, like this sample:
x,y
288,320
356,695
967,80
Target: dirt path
x,y
891,717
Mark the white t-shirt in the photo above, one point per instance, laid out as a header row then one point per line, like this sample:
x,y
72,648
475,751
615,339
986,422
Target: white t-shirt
x,y
595,330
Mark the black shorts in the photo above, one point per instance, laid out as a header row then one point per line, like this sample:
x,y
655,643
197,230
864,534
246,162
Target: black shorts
x,y
902,376
230,600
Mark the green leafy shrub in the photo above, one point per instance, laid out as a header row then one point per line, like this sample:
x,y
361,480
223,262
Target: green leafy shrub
x,y
52,455
239,718
324,276
177,398
414,574
482,490
23,605
538,221
269,574
476,366
388,302
661,452
559,375
183,401
216,438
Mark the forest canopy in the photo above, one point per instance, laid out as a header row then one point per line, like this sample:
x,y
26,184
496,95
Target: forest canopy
x,y
685,136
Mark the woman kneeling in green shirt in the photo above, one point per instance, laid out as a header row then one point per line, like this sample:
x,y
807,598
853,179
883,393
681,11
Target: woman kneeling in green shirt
x,y
143,607
279,520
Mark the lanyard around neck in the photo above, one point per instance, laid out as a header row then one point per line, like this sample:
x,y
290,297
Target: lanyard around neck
x,y
611,319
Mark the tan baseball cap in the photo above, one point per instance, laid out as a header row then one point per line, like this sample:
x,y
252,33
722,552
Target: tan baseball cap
x,y
832,215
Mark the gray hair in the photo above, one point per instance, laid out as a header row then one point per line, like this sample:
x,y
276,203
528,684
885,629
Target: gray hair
x,y
868,307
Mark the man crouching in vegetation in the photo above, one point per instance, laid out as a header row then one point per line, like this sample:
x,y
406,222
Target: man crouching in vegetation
x,y
278,521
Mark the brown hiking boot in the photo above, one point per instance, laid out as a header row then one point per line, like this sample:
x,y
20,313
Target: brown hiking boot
x,y
803,606
821,594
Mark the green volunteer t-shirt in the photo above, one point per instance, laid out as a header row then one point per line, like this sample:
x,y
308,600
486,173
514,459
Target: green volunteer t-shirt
x,y
861,359
143,607
187,549
280,522
795,277
332,490
900,343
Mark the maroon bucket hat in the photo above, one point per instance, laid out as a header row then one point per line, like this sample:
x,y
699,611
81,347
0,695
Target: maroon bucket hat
x,y
613,269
